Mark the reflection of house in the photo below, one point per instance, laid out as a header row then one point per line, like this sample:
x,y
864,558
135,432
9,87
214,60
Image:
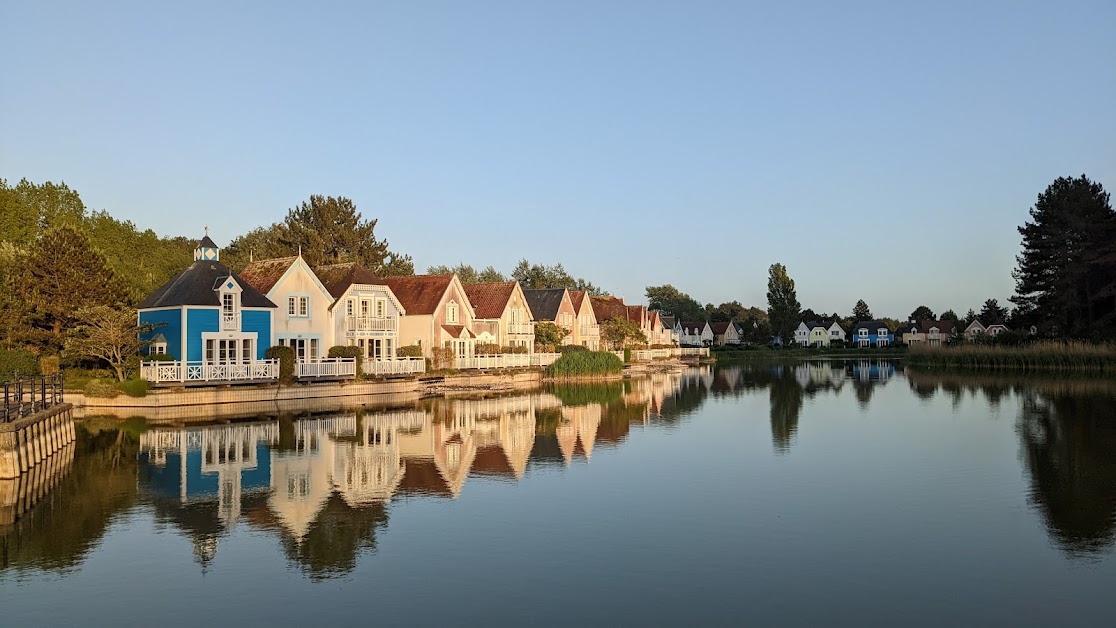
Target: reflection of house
x,y
577,431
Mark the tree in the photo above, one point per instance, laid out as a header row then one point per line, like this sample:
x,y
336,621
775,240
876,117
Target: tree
x,y
28,209
620,332
992,313
328,230
783,307
549,334
667,298
109,334
468,274
541,277
950,315
1065,277
809,315
63,273
970,316
861,312
731,311
923,313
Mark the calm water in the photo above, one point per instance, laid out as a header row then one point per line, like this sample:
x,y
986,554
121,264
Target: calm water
x,y
835,493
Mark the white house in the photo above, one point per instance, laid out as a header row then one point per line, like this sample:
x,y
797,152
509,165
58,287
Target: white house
x,y
694,333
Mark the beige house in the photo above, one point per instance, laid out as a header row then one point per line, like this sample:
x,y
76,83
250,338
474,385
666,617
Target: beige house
x,y
502,314
365,313
438,313
553,305
586,331
301,321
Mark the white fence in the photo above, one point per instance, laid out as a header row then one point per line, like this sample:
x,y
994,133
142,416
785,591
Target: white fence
x,y
398,366
505,361
646,355
160,372
371,323
340,368
694,351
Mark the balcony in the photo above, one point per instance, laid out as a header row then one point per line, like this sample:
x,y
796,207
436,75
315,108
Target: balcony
x,y
590,330
522,329
371,323
230,321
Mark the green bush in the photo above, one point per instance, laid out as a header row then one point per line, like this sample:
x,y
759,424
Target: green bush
x,y
349,351
627,355
101,388
18,361
585,363
409,351
487,348
134,387
564,349
513,350
286,357
443,358
158,357
50,364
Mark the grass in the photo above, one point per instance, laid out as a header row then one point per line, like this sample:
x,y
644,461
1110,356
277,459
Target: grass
x,y
586,364
1045,355
760,354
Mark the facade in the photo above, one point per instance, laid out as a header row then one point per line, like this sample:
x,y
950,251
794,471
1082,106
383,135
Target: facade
x,y
928,332
818,333
661,334
553,305
695,333
503,315
978,328
215,325
836,332
302,317
669,329
871,334
725,333
364,312
438,313
586,332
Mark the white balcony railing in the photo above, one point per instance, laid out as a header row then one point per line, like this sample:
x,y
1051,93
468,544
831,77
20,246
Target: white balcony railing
x,y
371,323
329,367
230,322
521,329
590,330
182,372
398,366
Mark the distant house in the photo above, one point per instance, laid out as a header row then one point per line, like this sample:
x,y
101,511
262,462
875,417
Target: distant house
x,y
836,332
669,327
587,330
725,333
929,332
977,328
438,313
696,333
503,314
553,305
818,333
211,321
871,334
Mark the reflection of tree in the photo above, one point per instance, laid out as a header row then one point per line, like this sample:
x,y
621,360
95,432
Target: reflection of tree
x,y
59,531
1068,444
786,406
685,401
588,392
336,538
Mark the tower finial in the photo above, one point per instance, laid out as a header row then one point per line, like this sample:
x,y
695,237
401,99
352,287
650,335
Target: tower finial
x,y
300,250
207,231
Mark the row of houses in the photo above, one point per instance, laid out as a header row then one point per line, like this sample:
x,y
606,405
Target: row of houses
x,y
878,334
217,325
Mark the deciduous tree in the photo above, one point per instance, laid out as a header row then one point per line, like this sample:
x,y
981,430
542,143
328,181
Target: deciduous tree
x,y
109,334
671,300
861,311
922,313
621,332
783,308
542,277
549,334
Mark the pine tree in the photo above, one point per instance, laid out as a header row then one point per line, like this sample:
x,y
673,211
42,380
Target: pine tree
x,y
861,312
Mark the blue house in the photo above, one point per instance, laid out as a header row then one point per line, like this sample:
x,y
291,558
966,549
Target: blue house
x,y
870,334
213,324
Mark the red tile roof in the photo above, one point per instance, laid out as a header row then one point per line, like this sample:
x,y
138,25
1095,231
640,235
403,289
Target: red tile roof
x,y
419,294
490,299
608,307
264,274
491,461
338,277
578,297
453,330
720,327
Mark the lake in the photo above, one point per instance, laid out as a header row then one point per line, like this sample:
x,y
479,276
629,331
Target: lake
x,y
824,492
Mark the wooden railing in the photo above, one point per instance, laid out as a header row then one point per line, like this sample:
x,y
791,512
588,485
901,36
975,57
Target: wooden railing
x,y
28,394
230,322
329,367
694,351
371,323
182,372
589,330
506,360
521,329
398,366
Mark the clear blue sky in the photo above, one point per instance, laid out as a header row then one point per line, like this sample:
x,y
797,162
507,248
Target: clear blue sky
x,y
881,152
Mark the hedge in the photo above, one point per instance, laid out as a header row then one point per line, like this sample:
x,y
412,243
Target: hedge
x,y
409,351
520,349
487,348
564,349
286,357
349,351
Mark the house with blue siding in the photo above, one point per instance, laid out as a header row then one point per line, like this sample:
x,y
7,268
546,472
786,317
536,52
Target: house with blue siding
x,y
870,334
213,325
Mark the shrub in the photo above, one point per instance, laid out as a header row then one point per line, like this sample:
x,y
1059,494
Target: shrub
x,y
349,351
513,349
50,364
409,351
627,355
487,348
564,349
585,363
18,361
134,387
286,357
442,358
158,357
101,388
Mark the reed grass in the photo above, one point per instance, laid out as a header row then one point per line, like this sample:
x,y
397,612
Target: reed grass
x,y
1045,355
586,364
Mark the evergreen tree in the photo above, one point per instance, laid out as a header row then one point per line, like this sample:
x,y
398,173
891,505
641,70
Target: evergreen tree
x,y
1065,278
993,313
861,312
923,313
468,274
783,307
667,298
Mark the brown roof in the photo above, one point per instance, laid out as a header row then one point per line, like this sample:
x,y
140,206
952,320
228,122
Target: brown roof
x,y
492,461
338,277
607,307
944,326
635,313
419,294
719,328
453,330
421,477
578,297
490,299
264,274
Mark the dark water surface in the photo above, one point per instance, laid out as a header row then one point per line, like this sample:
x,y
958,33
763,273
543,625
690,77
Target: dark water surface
x,y
834,493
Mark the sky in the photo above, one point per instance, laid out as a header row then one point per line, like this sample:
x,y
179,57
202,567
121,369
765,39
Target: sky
x,y
881,151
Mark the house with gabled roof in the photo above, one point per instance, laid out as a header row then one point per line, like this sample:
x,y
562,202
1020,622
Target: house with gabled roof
x,y
929,332
302,319
725,333
365,312
695,333
978,328
503,314
215,325
586,330
438,313
669,328
871,334
660,333
554,305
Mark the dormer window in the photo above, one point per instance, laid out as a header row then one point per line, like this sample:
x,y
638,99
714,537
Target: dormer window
x,y
863,333
881,331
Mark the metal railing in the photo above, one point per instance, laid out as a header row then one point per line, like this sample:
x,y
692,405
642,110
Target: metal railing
x,y
28,394
328,367
159,372
371,323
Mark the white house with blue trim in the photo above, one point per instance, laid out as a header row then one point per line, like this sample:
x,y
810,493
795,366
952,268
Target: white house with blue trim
x,y
213,324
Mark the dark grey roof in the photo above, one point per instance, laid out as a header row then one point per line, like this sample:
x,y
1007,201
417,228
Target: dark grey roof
x,y
869,325
544,304
206,243
197,285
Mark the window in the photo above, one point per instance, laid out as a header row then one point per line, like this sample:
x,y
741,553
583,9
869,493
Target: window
x,y
228,303
381,308
157,347
863,333
246,351
349,307
451,313
365,308
298,307
304,306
